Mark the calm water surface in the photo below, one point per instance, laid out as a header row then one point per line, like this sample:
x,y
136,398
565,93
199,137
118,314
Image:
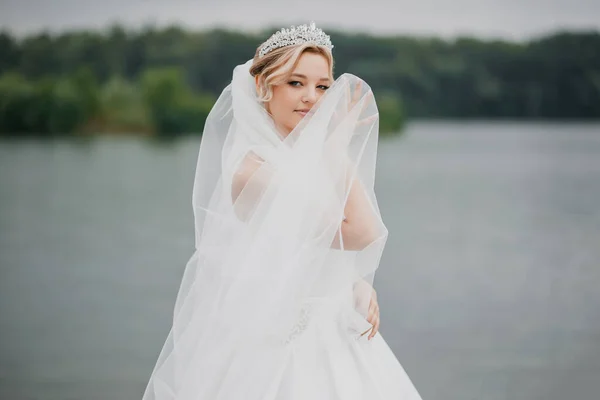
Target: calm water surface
x,y
488,284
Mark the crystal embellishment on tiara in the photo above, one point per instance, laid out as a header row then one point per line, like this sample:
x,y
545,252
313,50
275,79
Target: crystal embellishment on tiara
x,y
296,35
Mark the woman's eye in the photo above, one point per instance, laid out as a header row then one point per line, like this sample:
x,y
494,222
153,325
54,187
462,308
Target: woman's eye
x,y
297,83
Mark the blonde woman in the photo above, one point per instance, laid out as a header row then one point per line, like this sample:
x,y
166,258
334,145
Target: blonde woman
x,y
277,302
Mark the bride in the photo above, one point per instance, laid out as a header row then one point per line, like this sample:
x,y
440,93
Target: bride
x,y
277,302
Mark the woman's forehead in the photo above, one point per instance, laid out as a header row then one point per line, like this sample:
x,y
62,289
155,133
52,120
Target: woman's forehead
x,y
312,66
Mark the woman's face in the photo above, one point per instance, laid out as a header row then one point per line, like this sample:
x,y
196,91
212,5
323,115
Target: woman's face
x,y
303,88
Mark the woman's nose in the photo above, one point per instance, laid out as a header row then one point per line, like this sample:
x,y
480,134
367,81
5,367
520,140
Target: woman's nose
x,y
310,96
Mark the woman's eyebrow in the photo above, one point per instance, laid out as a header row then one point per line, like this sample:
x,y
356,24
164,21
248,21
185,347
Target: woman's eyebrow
x,y
305,77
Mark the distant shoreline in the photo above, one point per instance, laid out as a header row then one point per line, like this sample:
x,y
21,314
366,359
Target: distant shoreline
x,y
165,81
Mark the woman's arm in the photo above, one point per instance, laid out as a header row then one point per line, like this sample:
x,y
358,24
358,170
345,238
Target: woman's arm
x,y
250,179
361,226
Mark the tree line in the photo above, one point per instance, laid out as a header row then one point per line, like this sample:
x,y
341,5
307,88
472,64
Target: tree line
x,y
164,81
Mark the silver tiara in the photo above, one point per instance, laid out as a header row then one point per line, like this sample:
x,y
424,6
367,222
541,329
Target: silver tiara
x,y
296,35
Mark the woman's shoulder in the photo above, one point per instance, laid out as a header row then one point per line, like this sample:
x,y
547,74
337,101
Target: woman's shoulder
x,y
247,167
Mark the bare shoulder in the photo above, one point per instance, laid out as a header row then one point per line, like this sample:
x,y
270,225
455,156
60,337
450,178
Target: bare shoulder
x,y
245,171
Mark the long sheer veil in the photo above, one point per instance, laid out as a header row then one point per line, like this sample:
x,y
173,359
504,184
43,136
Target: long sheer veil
x,y
269,237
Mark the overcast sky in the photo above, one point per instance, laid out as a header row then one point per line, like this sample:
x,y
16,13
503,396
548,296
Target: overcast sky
x,y
510,19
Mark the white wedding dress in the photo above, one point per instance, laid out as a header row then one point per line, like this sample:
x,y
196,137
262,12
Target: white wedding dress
x,y
273,301
324,365
323,361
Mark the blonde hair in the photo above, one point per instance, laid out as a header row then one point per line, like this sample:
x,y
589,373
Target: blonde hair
x,y
276,66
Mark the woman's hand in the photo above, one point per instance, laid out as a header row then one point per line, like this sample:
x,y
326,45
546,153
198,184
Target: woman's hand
x,y
373,316
355,97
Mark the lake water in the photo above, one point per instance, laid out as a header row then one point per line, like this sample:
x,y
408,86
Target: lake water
x,y
489,284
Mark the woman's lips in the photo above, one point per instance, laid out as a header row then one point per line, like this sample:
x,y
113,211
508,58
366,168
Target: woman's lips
x,y
301,112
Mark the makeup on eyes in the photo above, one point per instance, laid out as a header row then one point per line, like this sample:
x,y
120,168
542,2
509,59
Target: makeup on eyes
x,y
293,83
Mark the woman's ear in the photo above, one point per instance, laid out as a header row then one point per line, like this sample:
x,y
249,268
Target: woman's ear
x,y
258,92
257,84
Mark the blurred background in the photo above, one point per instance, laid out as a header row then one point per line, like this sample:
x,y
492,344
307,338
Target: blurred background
x,y
488,181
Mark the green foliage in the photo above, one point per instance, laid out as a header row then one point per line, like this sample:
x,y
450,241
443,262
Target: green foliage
x,y
48,107
68,110
174,108
122,108
391,113
161,103
165,80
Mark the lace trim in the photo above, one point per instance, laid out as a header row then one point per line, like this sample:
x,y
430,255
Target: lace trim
x,y
301,324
